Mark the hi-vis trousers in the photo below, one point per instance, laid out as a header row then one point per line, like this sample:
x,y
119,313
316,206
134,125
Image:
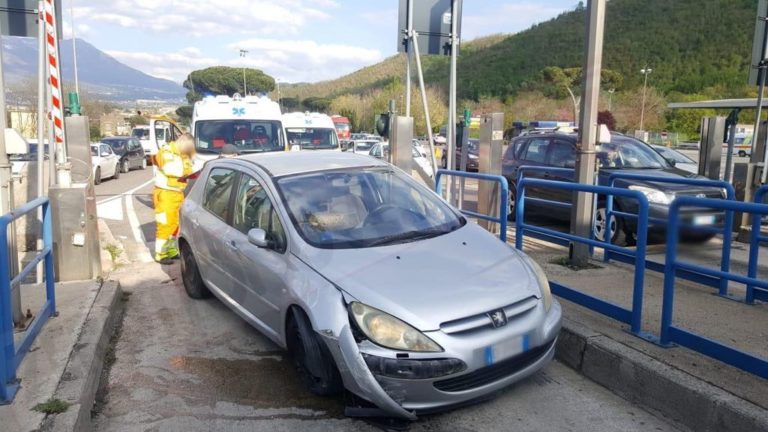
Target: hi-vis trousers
x,y
167,206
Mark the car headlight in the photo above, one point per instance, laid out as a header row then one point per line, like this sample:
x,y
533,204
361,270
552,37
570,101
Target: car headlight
x,y
541,279
654,195
390,332
473,157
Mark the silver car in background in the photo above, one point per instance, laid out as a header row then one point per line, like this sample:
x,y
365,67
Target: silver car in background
x,y
369,280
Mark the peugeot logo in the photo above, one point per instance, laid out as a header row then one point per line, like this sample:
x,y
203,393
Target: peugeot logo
x,y
498,318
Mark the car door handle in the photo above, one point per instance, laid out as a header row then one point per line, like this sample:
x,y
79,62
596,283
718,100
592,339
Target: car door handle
x,y
232,245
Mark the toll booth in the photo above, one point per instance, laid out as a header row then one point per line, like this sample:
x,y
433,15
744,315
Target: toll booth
x,y
711,148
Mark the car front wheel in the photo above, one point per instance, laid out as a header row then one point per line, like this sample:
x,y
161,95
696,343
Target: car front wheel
x,y
125,167
311,357
97,176
117,173
601,224
143,163
190,274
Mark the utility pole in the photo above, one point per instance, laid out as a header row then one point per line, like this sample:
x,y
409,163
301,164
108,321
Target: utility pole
x,y
451,129
581,217
245,85
645,71
610,99
408,43
74,44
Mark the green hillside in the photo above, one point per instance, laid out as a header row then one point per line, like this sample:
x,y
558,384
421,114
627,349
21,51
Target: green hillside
x,y
697,49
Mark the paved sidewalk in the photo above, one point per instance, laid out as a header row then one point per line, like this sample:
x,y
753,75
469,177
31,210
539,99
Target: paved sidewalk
x,y
42,368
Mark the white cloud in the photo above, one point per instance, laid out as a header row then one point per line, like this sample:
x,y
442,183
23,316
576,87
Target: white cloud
x,y
289,60
207,17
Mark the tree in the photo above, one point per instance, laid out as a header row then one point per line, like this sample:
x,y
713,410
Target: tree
x,y
606,118
290,103
137,119
185,113
569,79
317,104
225,80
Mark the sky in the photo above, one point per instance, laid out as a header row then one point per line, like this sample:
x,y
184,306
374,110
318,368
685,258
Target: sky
x,y
291,40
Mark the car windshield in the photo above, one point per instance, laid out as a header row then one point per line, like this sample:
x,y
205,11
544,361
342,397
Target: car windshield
x,y
116,145
140,133
673,155
342,127
363,208
628,153
249,136
313,138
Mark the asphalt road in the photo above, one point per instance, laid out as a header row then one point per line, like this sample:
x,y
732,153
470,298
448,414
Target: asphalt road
x,y
186,365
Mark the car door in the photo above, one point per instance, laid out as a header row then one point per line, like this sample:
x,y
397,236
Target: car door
x,y
561,154
535,154
261,273
211,225
107,161
133,154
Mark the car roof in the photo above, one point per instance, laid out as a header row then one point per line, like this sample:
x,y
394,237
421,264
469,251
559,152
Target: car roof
x,y
279,164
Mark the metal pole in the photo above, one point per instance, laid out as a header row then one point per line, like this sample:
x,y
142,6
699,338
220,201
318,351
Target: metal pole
x,y
74,44
581,220
759,108
41,110
734,120
645,71
408,41
426,105
451,129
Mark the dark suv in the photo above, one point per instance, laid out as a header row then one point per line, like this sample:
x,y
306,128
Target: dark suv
x,y
624,154
130,152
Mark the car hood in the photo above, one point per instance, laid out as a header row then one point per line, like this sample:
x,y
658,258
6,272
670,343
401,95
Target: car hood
x,y
428,282
670,172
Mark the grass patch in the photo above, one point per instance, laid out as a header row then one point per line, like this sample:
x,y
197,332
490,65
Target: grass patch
x,y
114,252
565,262
52,406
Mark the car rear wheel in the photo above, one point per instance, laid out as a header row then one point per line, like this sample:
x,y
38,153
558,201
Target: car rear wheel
x,y
125,167
117,173
601,224
311,357
512,201
97,176
143,164
190,274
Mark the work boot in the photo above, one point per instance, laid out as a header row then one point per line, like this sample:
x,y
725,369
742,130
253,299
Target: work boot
x,y
163,260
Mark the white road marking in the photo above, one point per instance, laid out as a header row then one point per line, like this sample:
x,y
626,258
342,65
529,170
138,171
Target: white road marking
x,y
111,209
128,192
133,221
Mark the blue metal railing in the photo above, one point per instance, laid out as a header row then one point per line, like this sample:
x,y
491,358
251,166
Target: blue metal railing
x,y
527,169
503,208
669,333
632,316
727,230
11,356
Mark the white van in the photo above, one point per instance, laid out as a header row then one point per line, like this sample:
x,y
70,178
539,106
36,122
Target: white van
x,y
160,131
310,131
252,123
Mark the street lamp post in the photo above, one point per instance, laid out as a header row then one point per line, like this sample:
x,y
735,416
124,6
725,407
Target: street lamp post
x,y
645,71
245,85
610,99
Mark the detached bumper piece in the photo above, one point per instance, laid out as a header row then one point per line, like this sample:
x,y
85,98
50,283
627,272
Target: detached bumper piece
x,y
413,368
490,374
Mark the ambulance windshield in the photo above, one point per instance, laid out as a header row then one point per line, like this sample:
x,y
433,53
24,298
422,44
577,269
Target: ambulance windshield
x,y
250,136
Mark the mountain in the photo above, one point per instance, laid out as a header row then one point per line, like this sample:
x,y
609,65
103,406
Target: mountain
x,y
692,46
99,73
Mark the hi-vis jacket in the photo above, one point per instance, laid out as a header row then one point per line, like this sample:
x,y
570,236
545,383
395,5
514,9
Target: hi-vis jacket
x,y
170,166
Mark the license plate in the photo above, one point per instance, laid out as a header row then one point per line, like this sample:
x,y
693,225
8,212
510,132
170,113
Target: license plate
x,y
704,220
506,349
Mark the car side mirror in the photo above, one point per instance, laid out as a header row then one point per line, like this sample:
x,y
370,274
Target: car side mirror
x,y
672,162
258,238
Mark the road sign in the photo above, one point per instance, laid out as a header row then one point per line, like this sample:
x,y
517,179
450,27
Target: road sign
x,y
432,21
759,43
19,17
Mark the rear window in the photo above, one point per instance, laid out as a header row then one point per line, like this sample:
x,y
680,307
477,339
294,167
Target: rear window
x,y
537,150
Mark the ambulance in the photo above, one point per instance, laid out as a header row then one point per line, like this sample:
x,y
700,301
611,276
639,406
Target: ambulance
x,y
252,123
310,131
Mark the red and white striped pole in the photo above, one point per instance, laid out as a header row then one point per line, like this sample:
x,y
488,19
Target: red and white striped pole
x,y
54,81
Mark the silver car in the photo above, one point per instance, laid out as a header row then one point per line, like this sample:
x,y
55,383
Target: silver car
x,y
369,280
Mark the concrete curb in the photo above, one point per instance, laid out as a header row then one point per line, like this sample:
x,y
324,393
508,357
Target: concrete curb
x,y
81,377
106,239
641,379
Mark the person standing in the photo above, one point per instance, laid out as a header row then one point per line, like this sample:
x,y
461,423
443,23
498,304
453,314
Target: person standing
x,y
173,164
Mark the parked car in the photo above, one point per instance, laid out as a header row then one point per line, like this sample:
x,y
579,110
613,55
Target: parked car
x,y
362,146
473,156
623,154
418,157
104,163
129,151
677,159
334,257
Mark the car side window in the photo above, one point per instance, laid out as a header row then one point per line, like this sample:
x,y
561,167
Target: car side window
x,y
218,189
254,209
514,149
537,150
562,154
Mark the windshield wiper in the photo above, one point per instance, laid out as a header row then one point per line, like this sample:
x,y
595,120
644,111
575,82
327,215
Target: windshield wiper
x,y
408,236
